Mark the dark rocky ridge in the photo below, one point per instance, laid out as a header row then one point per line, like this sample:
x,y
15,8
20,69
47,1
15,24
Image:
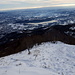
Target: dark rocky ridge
x,y
16,42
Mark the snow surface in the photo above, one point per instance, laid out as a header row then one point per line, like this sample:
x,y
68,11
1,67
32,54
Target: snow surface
x,y
72,28
45,59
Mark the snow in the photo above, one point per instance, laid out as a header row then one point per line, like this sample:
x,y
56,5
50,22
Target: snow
x,y
45,59
16,26
46,22
72,28
71,33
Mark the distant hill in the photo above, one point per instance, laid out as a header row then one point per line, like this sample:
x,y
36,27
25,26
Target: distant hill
x,y
15,42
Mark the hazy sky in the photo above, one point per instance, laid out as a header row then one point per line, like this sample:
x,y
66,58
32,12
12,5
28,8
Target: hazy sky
x,y
21,4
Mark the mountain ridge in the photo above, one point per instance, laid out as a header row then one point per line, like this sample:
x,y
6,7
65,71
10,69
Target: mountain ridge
x,y
27,39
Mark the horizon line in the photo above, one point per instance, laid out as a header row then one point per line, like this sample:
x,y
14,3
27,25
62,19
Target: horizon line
x,y
62,5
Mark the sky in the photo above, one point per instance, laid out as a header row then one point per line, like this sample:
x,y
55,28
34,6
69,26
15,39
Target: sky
x,y
25,4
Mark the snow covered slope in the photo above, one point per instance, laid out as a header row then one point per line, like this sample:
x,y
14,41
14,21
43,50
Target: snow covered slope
x,y
46,59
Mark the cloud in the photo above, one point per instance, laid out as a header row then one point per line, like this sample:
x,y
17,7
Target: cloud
x,y
18,4
36,7
37,1
8,2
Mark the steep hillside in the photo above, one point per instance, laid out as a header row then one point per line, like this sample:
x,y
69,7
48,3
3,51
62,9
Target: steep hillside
x,y
45,59
15,42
